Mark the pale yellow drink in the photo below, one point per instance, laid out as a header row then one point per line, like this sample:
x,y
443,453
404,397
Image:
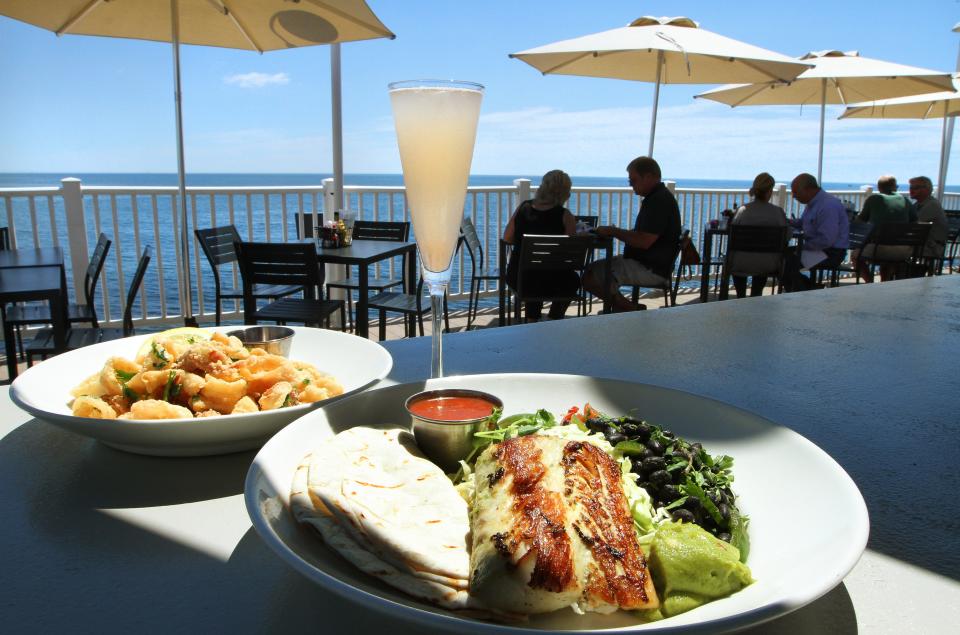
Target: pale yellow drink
x,y
436,129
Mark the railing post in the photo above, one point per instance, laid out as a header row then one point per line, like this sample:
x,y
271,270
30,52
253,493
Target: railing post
x,y
330,272
76,234
672,186
781,200
523,190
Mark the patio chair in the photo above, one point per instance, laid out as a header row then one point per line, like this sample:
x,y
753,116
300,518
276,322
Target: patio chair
x,y
284,264
551,254
479,269
911,236
671,284
859,234
217,244
43,345
306,228
953,238
4,238
406,304
765,241
395,231
22,315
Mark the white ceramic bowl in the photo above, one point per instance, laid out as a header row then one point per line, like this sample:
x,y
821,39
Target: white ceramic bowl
x,y
808,521
44,392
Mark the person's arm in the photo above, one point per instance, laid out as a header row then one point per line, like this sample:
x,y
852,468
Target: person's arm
x,y
640,240
509,232
569,223
825,228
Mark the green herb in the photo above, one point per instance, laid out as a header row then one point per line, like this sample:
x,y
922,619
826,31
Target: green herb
x,y
306,381
288,400
630,448
738,532
693,488
158,353
130,394
172,388
123,376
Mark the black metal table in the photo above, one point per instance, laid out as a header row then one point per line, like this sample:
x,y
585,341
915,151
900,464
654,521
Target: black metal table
x,y
24,284
31,257
364,253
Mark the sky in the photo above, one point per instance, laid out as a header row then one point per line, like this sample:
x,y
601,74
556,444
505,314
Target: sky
x,y
89,104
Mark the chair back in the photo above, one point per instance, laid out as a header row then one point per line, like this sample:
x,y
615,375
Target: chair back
x,y
4,238
859,234
396,231
552,253
306,227
756,249
217,244
97,260
912,235
470,237
134,288
278,264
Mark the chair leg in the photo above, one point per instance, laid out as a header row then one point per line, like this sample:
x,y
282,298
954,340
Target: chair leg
x,y
446,313
382,326
350,305
218,311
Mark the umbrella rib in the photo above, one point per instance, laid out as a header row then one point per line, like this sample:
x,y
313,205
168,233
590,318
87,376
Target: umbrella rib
x,y
570,61
79,15
355,20
236,22
750,64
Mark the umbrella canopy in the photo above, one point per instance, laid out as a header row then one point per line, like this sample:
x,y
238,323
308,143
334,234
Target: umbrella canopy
x,y
256,25
930,106
663,51
836,78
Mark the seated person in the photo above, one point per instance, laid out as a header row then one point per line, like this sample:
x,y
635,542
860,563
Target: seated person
x,y
544,214
884,206
929,210
651,246
760,211
826,232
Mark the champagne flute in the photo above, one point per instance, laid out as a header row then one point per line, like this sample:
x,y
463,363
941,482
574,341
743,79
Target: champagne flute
x,y
436,124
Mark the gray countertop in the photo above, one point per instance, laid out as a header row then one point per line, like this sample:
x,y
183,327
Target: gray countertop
x,y
98,540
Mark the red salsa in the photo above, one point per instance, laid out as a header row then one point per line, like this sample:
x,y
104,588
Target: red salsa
x,y
452,408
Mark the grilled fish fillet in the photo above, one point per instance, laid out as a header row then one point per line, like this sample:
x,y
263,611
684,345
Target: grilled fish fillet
x,y
552,528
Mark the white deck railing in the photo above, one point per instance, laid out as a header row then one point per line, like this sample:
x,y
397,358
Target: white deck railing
x,y
73,215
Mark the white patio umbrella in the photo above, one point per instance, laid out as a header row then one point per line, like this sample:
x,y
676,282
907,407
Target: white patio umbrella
x,y
256,25
836,78
944,105
662,51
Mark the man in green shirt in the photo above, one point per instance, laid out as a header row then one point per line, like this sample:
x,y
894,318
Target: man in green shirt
x,y
885,206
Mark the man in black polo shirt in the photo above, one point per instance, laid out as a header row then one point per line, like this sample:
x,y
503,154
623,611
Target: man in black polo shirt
x,y
650,248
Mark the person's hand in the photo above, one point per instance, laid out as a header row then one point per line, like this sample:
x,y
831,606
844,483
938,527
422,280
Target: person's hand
x,y
605,230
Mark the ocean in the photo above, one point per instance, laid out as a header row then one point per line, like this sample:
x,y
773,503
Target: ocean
x,y
133,225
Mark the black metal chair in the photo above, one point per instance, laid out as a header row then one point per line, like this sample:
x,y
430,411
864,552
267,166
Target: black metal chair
x,y
217,244
479,270
406,304
671,284
306,228
911,236
754,239
859,234
551,254
284,264
42,344
4,238
395,231
950,252
32,314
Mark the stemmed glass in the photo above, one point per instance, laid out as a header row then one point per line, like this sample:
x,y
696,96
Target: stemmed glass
x,y
436,123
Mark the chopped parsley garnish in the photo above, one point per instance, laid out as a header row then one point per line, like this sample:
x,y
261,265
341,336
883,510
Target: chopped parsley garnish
x,y
129,393
159,354
172,388
123,376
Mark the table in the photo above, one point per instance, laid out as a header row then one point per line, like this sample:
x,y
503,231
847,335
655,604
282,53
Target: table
x,y
101,541
364,253
599,242
32,274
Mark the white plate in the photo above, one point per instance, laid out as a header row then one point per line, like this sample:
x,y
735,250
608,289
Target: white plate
x,y
808,521
44,392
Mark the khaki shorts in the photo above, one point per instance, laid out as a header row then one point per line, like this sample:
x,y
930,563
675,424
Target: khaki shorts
x,y
627,272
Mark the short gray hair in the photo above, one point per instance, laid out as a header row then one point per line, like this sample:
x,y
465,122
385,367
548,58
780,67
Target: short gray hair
x,y
923,180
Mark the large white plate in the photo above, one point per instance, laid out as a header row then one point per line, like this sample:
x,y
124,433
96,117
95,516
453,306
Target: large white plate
x,y
808,521
44,392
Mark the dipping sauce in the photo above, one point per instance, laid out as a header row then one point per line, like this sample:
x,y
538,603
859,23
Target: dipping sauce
x,y
451,408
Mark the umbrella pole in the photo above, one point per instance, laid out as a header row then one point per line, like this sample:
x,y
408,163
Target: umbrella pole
x,y
656,102
336,106
187,306
944,153
823,109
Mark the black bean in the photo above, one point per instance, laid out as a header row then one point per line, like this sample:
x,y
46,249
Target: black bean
x,y
724,536
683,515
693,504
667,434
643,432
595,424
659,479
654,463
669,493
646,454
616,437
629,428
724,511
655,446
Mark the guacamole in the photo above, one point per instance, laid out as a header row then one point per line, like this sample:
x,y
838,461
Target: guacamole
x,y
691,567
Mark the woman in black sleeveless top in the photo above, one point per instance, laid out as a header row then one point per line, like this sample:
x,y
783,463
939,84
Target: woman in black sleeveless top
x,y
545,214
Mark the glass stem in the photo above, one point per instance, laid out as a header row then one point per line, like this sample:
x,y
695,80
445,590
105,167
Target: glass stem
x,y
437,293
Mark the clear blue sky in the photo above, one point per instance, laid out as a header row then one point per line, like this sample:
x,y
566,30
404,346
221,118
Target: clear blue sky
x,y
88,104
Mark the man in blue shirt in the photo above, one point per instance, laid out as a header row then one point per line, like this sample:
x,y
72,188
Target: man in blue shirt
x,y
826,229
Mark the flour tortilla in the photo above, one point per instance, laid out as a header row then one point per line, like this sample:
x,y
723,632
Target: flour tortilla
x,y
311,511
394,502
